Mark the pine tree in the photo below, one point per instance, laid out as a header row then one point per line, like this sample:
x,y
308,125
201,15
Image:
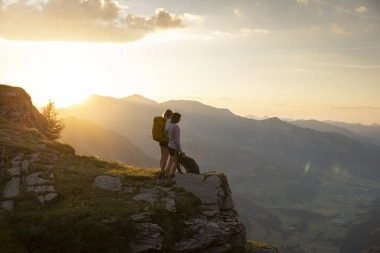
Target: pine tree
x,y
55,126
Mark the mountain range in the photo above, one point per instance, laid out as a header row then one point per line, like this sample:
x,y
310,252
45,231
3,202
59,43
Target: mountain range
x,y
88,138
276,169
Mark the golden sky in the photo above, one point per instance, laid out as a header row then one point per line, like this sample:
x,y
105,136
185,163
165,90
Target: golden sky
x,y
308,59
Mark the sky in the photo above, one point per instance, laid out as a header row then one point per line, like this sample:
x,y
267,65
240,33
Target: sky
x,y
299,59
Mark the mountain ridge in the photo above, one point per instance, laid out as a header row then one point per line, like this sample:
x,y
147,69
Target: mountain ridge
x,y
54,200
267,162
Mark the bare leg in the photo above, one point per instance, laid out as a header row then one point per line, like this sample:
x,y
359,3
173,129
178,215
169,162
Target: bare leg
x,y
174,166
164,158
169,166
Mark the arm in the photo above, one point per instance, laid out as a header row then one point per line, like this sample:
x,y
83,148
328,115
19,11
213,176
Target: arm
x,y
177,134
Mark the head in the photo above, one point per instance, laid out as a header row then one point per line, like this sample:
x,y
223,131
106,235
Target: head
x,y
167,114
176,117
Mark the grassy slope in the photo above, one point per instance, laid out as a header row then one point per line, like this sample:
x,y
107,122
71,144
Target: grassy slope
x,y
73,221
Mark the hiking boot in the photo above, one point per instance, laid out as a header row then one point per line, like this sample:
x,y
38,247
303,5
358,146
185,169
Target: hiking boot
x,y
161,175
171,176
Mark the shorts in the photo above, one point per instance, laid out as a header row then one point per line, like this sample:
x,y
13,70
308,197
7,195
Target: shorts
x,y
173,152
164,144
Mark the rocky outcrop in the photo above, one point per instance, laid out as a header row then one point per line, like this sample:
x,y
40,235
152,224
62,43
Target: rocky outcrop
x,y
43,188
216,228
16,106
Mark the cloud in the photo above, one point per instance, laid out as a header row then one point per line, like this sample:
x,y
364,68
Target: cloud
x,y
218,34
246,31
305,2
338,30
193,19
238,13
162,20
79,20
361,9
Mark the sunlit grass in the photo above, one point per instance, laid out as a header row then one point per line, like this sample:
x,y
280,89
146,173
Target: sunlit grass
x,y
83,218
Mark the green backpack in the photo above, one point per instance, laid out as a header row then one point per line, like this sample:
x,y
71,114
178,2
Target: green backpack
x,y
158,129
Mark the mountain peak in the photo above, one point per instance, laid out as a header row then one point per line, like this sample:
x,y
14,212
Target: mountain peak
x,y
136,98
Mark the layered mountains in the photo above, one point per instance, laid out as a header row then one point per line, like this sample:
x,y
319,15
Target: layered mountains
x,y
89,138
281,175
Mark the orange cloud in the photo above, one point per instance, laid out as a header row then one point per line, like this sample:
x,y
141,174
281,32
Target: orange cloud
x,y
79,20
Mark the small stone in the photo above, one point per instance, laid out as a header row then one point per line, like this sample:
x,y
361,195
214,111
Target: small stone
x,y
7,205
15,172
50,196
169,204
33,179
108,183
12,188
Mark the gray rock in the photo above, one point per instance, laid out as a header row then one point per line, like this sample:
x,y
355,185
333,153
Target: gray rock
x,y
169,204
18,157
41,199
50,196
206,236
16,163
148,237
34,179
40,188
25,165
108,183
12,188
47,197
35,157
149,197
208,189
15,172
7,205
211,213
141,217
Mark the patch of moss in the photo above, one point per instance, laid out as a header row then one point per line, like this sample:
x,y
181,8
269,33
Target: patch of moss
x,y
255,245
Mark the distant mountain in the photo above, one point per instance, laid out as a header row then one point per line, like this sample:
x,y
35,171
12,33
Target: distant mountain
x,y
88,138
251,116
326,127
139,99
269,163
370,132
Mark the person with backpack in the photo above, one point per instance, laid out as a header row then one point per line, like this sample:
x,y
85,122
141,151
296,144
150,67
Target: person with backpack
x,y
163,143
174,145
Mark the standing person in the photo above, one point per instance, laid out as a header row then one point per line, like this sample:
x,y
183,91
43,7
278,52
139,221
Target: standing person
x,y
164,144
174,135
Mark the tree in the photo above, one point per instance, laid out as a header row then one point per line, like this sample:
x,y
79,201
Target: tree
x,y
55,125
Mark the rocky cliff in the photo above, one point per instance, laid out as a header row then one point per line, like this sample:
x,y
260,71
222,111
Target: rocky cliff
x,y
53,200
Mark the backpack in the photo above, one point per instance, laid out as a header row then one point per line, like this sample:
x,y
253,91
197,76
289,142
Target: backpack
x,y
188,163
158,129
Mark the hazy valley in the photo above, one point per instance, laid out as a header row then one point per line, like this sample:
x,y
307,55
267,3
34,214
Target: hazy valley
x,y
295,187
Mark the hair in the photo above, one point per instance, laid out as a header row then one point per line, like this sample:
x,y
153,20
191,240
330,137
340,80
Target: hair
x,y
175,117
167,113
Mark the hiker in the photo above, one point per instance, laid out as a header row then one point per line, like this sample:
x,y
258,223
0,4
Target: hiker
x,y
174,145
164,144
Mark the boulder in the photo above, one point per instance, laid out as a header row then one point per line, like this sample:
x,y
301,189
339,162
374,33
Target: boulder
x,y
108,183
